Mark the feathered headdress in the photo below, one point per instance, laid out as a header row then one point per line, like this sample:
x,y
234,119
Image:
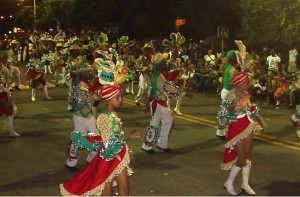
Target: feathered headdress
x,y
123,41
46,36
73,43
35,41
102,40
59,38
241,54
175,43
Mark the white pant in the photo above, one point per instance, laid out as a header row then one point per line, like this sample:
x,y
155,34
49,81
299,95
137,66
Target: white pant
x,y
142,87
84,124
224,93
81,124
162,115
15,74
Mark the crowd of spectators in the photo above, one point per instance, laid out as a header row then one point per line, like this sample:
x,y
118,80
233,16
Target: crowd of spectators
x,y
275,78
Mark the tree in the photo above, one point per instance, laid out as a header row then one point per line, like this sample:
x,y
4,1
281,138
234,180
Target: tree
x,y
270,22
49,14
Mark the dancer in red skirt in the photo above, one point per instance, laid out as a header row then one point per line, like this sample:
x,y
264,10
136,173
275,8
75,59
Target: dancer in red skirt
x,y
240,116
7,106
35,76
111,165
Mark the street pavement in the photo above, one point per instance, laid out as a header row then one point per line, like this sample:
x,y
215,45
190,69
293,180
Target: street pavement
x,y
33,164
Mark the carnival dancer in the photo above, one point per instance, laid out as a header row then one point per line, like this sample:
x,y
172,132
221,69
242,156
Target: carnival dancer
x,y
46,48
234,62
58,64
240,115
111,164
5,75
175,74
35,76
83,117
296,119
12,64
161,122
7,106
128,61
143,66
71,66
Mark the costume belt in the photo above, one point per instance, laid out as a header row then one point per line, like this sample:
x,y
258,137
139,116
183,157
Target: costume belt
x,y
154,103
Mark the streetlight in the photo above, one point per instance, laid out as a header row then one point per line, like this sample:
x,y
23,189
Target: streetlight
x,y
34,14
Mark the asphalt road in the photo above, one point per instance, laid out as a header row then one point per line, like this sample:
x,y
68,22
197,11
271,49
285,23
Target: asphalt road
x,y
33,165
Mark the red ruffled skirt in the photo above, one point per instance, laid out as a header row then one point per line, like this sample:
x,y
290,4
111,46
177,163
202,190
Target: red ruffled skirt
x,y
91,180
3,109
237,130
32,74
35,78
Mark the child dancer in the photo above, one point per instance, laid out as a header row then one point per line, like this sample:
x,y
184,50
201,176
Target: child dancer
x,y
111,165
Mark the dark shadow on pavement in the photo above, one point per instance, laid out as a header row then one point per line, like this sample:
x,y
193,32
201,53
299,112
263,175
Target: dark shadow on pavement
x,y
283,188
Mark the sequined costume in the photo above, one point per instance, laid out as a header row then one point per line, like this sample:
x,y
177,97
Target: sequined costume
x,y
162,120
241,124
111,159
35,74
83,118
5,95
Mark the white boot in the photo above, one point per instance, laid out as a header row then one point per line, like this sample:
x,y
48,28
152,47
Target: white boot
x,y
169,102
177,111
12,132
46,92
178,104
229,182
221,128
49,68
45,69
132,91
245,184
33,95
220,132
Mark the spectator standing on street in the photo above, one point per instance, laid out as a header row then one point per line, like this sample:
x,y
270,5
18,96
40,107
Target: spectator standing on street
x,y
210,59
199,66
292,67
273,61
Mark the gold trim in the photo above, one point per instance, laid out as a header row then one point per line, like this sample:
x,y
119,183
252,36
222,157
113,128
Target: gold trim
x,y
240,136
227,166
98,190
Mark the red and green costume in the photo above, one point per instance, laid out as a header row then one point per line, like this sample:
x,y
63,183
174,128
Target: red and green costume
x,y
111,160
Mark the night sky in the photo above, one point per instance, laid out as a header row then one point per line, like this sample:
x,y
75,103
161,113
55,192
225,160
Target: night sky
x,y
203,16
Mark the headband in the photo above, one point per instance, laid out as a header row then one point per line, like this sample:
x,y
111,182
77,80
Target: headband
x,y
110,91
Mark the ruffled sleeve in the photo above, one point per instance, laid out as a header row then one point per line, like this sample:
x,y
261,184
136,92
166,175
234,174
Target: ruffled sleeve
x,y
82,141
